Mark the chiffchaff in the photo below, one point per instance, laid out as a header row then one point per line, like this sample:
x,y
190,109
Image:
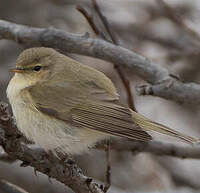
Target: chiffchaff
x,y
66,107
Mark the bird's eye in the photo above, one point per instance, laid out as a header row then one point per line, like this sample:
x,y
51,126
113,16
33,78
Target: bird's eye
x,y
37,68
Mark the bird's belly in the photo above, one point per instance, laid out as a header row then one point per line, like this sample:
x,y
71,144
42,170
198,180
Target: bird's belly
x,y
53,134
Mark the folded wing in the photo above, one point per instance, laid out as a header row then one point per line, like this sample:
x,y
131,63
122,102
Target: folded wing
x,y
88,107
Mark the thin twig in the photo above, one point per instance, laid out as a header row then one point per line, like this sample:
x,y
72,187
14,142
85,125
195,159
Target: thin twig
x,y
90,20
108,169
126,84
105,22
114,39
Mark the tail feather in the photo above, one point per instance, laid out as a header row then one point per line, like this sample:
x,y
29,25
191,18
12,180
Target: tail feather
x,y
149,125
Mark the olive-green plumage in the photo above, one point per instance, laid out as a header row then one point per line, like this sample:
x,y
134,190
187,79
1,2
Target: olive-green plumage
x,y
56,92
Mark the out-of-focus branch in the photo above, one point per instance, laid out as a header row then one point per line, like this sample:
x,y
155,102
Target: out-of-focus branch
x,y
179,190
66,172
6,158
175,43
173,16
7,187
105,22
90,20
163,84
158,148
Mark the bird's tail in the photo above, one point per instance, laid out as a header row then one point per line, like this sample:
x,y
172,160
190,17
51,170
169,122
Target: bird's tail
x,y
149,125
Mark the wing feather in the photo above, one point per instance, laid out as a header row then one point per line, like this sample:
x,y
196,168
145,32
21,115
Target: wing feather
x,y
88,107
109,124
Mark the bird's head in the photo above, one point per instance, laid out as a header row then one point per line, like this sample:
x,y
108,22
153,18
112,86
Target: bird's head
x,y
35,64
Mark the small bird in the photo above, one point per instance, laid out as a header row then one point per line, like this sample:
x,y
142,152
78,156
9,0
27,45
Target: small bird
x,y
66,107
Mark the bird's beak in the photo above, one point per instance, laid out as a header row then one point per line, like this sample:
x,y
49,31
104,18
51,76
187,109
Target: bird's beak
x,y
17,70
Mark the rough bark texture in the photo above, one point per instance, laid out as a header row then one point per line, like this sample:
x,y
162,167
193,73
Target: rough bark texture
x,y
65,171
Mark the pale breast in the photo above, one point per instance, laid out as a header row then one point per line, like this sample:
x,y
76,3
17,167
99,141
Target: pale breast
x,y
46,131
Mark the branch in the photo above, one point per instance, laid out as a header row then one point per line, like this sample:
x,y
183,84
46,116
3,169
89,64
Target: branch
x,y
105,22
66,172
173,190
164,85
157,148
4,157
7,187
90,20
176,18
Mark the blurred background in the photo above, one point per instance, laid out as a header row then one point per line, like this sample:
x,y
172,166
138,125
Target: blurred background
x,y
165,33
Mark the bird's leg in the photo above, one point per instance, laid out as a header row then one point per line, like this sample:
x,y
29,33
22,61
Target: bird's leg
x,y
108,169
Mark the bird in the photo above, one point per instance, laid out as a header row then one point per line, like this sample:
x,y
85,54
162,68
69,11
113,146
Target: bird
x,y
66,107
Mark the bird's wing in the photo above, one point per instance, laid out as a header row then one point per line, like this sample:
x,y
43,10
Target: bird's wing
x,y
87,106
